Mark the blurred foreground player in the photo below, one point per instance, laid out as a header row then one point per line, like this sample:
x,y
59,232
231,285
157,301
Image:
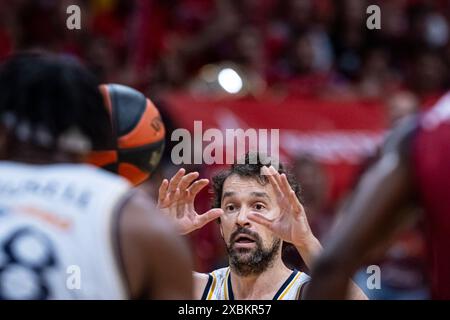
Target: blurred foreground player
x,y
414,168
70,230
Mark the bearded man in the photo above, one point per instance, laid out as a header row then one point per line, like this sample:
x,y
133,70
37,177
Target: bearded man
x,y
258,208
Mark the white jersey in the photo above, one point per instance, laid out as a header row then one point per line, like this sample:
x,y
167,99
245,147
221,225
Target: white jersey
x,y
219,286
57,237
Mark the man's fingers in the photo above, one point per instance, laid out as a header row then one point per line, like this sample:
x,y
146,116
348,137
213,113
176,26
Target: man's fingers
x,y
162,191
179,204
187,180
209,216
265,171
295,202
285,186
290,194
277,176
260,219
173,184
196,187
273,181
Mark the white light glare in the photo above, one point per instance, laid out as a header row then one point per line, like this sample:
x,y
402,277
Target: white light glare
x,y
230,80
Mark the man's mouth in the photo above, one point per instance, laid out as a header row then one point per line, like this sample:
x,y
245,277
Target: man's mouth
x,y
244,239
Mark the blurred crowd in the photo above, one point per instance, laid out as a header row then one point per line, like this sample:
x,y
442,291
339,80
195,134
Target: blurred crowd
x,y
318,48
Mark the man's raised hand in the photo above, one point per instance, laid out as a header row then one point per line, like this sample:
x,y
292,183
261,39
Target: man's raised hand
x,y
176,200
291,225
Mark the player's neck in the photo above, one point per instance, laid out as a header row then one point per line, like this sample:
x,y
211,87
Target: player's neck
x,y
261,286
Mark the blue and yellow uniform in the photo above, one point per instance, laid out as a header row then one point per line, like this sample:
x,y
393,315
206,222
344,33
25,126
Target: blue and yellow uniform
x,y
219,286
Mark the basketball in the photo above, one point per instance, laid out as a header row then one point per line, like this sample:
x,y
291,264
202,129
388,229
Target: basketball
x,y
138,133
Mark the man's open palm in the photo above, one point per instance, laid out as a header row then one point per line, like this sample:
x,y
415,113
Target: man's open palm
x,y
176,200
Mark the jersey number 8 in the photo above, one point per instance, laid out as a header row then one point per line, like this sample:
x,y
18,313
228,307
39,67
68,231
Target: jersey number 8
x,y
25,256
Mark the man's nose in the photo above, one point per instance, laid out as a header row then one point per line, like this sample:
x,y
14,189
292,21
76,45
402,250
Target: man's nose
x,y
242,218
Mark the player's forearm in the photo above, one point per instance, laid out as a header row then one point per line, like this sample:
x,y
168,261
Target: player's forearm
x,y
327,285
331,280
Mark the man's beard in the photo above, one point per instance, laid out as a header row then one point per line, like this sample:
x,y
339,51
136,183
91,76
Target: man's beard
x,y
246,261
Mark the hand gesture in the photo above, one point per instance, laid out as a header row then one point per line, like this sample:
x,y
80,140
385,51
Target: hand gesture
x,y
176,200
291,225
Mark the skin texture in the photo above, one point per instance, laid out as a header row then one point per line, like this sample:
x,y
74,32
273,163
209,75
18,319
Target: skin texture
x,y
270,211
372,216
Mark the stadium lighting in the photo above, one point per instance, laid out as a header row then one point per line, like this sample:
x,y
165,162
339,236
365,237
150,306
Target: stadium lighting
x,y
230,80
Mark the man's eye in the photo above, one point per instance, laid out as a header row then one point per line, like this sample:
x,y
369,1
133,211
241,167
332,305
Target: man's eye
x,y
230,207
259,206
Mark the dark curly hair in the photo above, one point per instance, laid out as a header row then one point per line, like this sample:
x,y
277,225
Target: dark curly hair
x,y
250,167
48,95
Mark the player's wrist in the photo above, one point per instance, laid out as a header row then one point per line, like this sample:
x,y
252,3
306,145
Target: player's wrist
x,y
308,243
309,248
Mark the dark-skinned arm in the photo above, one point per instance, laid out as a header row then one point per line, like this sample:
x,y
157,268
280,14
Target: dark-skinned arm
x,y
156,259
373,215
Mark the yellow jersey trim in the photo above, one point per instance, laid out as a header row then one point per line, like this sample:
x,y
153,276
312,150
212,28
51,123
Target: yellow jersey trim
x,y
285,291
213,287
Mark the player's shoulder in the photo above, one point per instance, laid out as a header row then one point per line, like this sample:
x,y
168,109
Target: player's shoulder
x,y
220,273
92,172
205,283
141,214
72,171
203,278
303,276
99,181
217,272
404,135
201,281
294,287
80,173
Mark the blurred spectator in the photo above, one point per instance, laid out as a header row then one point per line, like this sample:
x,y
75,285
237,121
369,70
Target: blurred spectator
x,y
350,35
428,76
376,77
300,46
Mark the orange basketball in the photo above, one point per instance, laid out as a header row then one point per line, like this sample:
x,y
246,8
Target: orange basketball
x,y
138,134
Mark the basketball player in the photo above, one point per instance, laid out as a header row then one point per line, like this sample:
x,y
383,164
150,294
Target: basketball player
x,y
70,230
258,209
414,169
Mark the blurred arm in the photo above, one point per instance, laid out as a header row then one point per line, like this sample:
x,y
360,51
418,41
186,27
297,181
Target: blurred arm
x,y
310,250
372,215
156,259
